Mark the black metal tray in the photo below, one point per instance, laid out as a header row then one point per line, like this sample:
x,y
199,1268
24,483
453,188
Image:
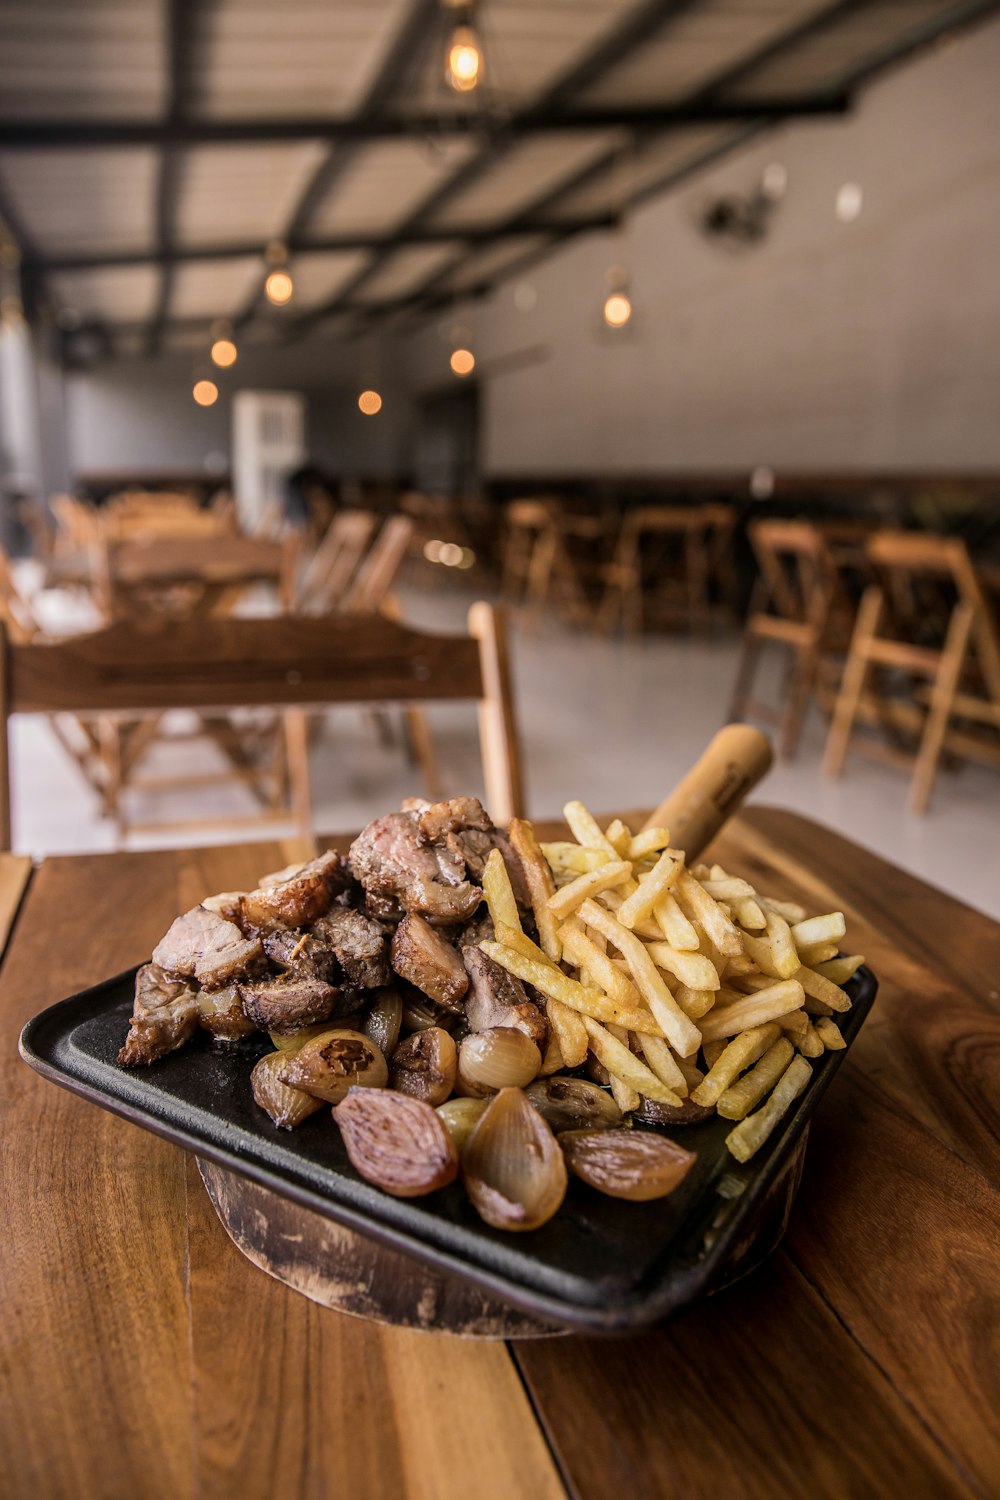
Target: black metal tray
x,y
601,1263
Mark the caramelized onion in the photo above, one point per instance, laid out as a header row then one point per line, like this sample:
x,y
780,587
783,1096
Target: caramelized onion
x,y
461,1116
574,1104
513,1168
287,1107
502,1057
634,1164
425,1065
330,1064
383,1021
397,1142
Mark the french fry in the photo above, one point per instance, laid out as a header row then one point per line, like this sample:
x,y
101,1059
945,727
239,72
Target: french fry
x,y
663,1063
790,910
812,930
536,970
499,892
538,878
623,1094
656,884
746,1138
564,857
796,1022
585,830
713,1050
700,907
741,1097
774,952
623,1064
692,969
690,1071
753,1010
839,970
829,1034
741,964
511,937
728,888
569,1030
817,953
650,841
679,1030
580,949
674,925
620,836
737,1057
565,901
818,987
553,1060
748,915
810,1043
694,1003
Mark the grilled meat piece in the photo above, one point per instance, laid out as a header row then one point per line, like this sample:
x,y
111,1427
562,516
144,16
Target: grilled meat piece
x,y
438,819
478,930
393,860
298,900
464,826
287,1002
497,998
427,960
360,944
204,945
164,1016
221,1012
289,948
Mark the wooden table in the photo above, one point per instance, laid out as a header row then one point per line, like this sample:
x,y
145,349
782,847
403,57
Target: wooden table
x,y
142,1356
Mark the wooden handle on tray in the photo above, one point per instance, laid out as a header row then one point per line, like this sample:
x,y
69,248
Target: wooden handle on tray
x,y
730,767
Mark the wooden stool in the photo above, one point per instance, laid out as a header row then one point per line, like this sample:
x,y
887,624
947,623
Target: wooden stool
x,y
537,564
687,534
961,670
797,603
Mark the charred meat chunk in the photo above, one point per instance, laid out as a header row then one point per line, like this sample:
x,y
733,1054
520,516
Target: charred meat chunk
x,y
497,998
285,1003
394,862
297,900
290,948
427,960
203,945
360,944
164,1016
221,1012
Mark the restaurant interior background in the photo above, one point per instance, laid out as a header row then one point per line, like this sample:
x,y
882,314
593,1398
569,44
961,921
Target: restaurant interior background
x,y
667,277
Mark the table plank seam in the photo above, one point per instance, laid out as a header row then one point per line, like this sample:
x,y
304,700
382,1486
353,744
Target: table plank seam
x,y
572,1492
884,1375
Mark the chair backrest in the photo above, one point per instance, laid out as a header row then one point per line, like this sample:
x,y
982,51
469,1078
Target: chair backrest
x,y
796,570
331,568
378,570
286,662
127,569
537,513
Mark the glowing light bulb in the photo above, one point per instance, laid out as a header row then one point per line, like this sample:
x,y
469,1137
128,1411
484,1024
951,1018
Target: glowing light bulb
x,y
279,288
464,66
762,482
205,392
370,402
223,353
849,201
617,309
462,362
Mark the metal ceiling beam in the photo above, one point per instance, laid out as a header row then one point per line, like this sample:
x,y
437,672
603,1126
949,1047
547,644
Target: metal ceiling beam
x,y
362,130
470,234
181,25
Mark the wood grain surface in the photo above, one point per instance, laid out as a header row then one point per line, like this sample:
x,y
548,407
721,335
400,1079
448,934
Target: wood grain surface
x,y
141,1354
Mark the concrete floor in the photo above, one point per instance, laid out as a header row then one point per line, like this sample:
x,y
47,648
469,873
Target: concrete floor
x,y
614,723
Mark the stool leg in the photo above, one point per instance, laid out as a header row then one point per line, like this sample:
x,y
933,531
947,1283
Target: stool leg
x,y
853,683
942,700
799,692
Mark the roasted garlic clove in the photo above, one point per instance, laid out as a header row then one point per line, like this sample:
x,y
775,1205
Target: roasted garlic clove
x,y
634,1164
512,1165
574,1104
502,1057
419,1013
330,1064
287,1107
383,1021
461,1116
397,1142
425,1066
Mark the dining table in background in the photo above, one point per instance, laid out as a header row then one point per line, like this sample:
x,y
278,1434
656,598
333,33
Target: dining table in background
x,y
142,1355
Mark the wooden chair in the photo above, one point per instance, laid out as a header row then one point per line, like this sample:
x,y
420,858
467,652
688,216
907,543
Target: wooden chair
x,y
665,554
191,575
538,566
292,664
954,659
378,570
330,570
798,604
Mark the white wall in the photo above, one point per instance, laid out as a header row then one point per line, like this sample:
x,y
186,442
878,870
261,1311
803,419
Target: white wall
x,y
830,346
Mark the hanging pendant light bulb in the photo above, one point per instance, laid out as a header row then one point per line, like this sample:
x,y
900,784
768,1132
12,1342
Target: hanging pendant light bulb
x,y
462,362
205,392
370,403
279,286
463,59
223,350
617,309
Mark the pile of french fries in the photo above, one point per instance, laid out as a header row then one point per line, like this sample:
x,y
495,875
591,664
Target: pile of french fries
x,y
686,985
